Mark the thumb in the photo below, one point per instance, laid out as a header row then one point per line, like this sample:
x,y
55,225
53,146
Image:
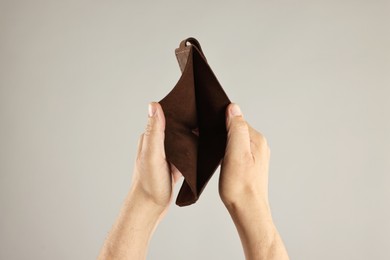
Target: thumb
x,y
153,137
238,139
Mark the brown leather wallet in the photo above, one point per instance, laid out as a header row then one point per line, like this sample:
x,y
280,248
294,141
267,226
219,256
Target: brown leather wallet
x,y
195,133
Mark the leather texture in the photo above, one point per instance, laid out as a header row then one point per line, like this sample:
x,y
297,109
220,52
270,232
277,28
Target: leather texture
x,y
195,133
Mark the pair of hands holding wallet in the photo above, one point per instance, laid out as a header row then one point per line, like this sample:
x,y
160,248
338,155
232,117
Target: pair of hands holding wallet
x,y
190,132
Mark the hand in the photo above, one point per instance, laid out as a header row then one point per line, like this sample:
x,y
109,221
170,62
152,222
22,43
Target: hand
x,y
149,196
244,169
243,187
154,178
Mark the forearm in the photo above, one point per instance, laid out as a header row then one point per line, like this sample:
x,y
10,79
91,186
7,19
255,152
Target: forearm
x,y
131,233
259,236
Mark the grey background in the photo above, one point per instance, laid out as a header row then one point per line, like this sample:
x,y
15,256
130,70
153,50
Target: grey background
x,y
76,78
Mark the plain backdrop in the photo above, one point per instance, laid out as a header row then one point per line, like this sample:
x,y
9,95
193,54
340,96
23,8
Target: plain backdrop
x,y
75,80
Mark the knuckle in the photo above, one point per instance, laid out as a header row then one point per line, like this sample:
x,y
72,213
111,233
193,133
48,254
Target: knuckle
x,y
240,158
239,125
153,124
263,140
151,130
260,143
260,139
148,128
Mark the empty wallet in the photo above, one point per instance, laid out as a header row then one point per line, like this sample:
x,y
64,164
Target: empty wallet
x,y
195,133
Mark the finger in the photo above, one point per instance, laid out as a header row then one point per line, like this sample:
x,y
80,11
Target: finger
x,y
153,137
176,174
238,139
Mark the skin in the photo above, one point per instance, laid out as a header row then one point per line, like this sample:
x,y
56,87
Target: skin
x,y
243,188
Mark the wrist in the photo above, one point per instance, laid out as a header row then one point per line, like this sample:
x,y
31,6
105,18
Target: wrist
x,y
255,227
248,202
252,215
249,211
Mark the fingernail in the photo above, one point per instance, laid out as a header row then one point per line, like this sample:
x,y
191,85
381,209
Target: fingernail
x,y
235,110
152,110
